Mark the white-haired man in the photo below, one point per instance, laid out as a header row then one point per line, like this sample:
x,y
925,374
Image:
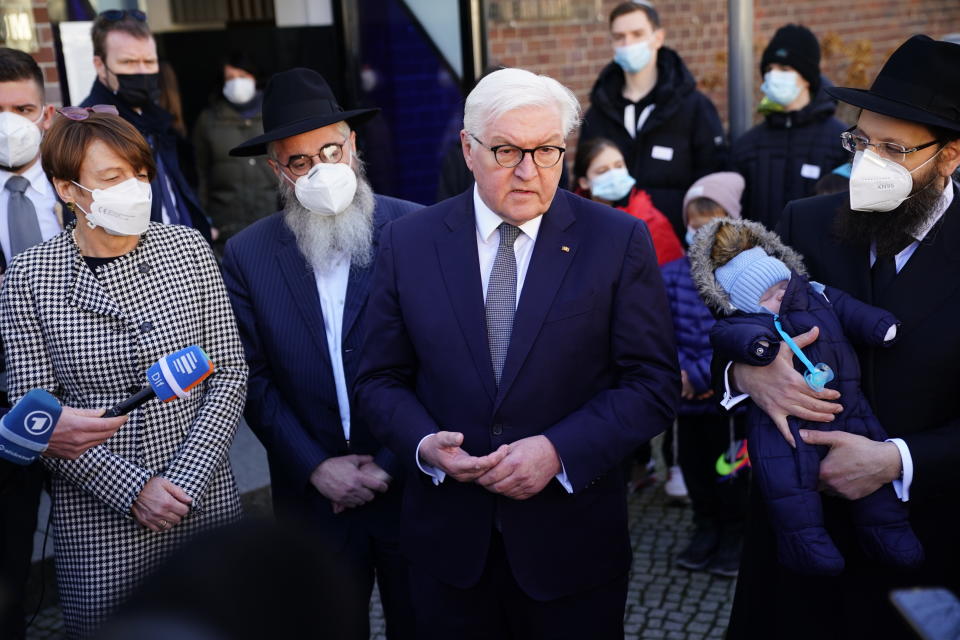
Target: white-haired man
x,y
298,281
519,346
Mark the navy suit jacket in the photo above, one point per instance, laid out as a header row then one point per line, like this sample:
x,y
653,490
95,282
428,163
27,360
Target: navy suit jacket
x,y
292,399
591,365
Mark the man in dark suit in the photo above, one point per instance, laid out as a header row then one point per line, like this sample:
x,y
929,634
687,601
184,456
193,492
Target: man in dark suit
x,y
519,341
298,281
893,241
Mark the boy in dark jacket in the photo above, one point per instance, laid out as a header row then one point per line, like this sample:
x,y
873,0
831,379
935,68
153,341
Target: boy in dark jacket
x,y
646,101
783,157
766,301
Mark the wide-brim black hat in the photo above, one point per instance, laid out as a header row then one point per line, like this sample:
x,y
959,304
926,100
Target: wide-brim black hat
x,y
294,102
919,83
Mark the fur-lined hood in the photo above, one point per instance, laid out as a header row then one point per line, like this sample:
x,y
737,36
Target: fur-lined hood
x,y
702,266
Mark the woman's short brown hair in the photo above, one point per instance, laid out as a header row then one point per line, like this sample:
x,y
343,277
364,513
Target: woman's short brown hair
x,y
64,146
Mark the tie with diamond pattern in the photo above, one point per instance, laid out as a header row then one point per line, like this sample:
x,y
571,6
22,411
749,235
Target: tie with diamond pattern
x,y
21,216
502,298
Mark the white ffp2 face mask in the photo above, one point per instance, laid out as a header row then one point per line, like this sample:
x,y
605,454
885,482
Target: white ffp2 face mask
x,y
327,189
879,184
122,210
19,139
239,90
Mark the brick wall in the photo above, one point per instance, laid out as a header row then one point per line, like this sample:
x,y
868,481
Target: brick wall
x,y
44,55
569,39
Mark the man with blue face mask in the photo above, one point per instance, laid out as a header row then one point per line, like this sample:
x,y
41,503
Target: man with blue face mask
x,y
893,241
646,101
299,282
783,157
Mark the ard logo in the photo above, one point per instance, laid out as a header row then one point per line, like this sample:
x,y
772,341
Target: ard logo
x,y
37,423
186,364
781,53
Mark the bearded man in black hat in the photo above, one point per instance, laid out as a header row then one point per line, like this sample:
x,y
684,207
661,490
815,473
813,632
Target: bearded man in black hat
x,y
298,281
892,241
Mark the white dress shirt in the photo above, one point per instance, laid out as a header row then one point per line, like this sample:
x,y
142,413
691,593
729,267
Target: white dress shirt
x,y
41,194
488,241
332,288
902,485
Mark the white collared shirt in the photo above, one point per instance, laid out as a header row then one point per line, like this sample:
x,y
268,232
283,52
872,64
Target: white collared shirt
x,y
41,194
488,241
902,485
332,288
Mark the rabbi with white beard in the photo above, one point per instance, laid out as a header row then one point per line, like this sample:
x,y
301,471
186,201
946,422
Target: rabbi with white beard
x,y
298,281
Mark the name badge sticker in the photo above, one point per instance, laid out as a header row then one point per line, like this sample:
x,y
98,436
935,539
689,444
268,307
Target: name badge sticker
x,y
811,171
661,153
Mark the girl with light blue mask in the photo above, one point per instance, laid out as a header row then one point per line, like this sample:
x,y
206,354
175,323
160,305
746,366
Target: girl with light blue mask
x,y
600,173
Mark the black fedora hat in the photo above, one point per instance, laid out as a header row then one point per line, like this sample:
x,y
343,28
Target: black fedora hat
x,y
919,83
294,102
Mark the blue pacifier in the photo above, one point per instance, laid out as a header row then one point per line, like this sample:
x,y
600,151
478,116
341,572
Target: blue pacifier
x,y
817,376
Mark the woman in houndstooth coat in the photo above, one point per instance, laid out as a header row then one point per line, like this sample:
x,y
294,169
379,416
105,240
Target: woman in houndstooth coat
x,y
83,316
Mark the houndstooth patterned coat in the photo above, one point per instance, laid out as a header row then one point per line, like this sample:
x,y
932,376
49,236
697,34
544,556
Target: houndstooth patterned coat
x,y
89,340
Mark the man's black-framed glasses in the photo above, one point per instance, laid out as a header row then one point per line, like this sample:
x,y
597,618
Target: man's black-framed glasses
x,y
509,155
300,164
116,15
890,150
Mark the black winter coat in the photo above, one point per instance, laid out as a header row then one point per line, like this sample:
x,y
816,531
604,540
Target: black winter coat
x,y
782,158
681,140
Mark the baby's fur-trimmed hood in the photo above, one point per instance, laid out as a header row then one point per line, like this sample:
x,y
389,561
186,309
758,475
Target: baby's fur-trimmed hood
x,y
702,265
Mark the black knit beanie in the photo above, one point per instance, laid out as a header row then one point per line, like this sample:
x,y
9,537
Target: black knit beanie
x,y
796,46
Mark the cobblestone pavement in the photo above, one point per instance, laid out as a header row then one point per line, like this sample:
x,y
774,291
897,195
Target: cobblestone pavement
x,y
662,602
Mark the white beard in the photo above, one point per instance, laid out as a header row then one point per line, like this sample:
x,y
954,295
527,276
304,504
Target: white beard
x,y
325,240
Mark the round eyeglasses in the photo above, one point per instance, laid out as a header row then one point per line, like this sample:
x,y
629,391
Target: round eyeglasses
x,y
300,164
509,155
890,150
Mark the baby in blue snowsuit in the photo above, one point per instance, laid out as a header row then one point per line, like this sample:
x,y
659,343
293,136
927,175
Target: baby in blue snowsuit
x,y
766,302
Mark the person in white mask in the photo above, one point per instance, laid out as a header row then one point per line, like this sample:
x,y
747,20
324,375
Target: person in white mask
x,y
235,115
299,282
646,101
83,315
892,241
29,214
783,157
24,117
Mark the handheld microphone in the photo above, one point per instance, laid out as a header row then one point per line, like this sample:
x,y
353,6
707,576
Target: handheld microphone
x,y
26,429
171,377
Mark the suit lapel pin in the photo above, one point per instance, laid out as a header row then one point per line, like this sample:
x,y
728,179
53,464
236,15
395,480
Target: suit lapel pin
x,y
565,248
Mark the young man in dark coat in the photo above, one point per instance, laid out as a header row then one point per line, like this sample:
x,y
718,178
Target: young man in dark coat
x,y
892,241
783,157
647,102
128,77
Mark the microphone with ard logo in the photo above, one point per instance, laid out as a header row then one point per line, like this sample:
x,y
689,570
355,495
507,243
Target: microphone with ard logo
x,y
171,377
26,429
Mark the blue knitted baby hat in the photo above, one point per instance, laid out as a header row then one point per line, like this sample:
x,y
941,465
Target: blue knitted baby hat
x,y
748,276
